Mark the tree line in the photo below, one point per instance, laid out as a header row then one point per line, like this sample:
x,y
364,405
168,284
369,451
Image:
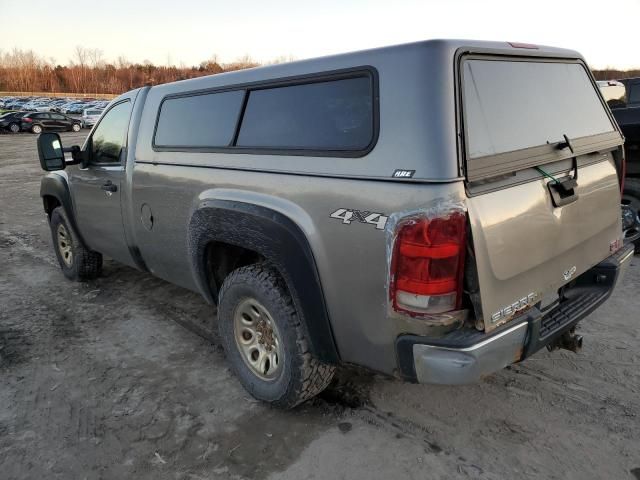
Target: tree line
x,y
89,73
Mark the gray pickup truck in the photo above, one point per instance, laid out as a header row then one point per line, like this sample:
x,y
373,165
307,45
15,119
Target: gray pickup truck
x,y
434,211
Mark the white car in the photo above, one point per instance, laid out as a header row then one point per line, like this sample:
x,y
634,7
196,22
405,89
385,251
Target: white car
x,y
90,117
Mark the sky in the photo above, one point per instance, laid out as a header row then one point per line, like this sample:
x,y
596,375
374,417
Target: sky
x,y
190,31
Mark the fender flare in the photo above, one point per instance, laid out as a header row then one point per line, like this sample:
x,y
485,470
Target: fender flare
x,y
56,186
279,240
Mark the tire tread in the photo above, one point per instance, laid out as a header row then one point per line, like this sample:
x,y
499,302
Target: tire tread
x,y
311,376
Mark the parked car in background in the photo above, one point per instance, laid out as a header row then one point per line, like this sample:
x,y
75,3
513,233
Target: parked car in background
x,y
39,122
90,117
11,121
17,103
74,108
623,97
57,104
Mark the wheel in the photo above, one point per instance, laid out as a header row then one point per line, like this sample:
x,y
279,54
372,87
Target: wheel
x,y
77,262
631,212
265,341
14,127
75,127
36,129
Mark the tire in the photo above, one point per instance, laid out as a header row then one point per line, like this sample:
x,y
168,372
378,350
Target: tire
x,y
76,127
14,127
76,261
36,129
295,375
631,200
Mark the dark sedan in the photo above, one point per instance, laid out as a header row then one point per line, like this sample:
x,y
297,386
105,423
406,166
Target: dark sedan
x,y
11,121
39,121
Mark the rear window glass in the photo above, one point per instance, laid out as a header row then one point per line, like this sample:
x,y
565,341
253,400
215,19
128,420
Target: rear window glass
x,y
199,121
511,105
329,115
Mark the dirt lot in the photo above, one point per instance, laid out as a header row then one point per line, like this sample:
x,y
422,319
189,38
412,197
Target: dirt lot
x,y
103,380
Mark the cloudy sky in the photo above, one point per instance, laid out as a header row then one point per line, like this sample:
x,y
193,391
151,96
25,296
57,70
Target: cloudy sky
x,y
189,31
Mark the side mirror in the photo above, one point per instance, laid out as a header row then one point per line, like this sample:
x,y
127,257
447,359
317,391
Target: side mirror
x,y
50,152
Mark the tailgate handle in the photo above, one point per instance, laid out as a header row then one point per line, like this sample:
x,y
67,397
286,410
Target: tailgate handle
x,y
563,191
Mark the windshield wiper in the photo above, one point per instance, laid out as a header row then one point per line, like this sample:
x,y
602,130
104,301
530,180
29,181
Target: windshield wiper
x,y
566,144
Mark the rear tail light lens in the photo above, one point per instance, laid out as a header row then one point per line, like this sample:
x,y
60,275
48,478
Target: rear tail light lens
x,y
427,264
27,119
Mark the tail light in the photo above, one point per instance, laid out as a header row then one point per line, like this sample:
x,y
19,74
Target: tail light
x,y
27,119
427,264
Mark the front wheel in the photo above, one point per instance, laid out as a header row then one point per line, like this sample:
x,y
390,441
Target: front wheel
x,y
36,129
76,127
265,341
14,128
77,262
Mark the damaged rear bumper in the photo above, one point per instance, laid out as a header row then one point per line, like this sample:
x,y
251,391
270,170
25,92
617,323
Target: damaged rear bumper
x,y
465,356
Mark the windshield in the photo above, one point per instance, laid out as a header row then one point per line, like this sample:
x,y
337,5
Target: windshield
x,y
512,105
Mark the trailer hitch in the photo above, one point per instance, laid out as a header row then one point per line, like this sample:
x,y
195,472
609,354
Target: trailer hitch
x,y
568,341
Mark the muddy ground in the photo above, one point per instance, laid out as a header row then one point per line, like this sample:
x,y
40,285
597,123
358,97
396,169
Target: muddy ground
x,y
108,380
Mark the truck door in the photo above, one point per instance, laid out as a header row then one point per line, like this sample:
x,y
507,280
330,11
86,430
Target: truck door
x,y
96,189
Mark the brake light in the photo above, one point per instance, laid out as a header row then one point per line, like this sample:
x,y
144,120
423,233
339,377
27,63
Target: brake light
x,y
27,119
427,264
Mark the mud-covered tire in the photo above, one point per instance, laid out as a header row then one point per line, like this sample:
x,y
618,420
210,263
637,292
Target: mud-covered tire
x,y
631,198
300,376
84,264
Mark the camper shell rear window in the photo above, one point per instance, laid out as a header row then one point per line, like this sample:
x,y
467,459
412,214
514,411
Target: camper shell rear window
x,y
517,112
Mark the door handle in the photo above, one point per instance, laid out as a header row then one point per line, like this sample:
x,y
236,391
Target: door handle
x,y
109,187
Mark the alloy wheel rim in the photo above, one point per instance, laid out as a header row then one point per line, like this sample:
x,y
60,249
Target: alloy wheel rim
x,y
64,245
258,339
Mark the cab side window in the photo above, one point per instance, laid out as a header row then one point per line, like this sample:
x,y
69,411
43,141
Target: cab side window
x,y
110,135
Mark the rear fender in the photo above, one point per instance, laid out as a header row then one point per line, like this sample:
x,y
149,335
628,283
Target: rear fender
x,y
279,240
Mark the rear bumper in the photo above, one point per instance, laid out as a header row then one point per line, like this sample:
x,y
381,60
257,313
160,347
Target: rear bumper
x,y
465,356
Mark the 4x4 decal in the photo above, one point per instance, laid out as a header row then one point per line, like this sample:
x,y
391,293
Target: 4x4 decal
x,y
347,216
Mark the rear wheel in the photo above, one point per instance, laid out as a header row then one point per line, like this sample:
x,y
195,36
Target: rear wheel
x,y
77,262
36,129
631,211
265,341
14,128
76,127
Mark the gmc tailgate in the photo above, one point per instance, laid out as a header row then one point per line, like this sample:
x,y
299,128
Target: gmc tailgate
x,y
540,152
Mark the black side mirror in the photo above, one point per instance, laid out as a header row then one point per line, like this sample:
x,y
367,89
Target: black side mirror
x,y
50,152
